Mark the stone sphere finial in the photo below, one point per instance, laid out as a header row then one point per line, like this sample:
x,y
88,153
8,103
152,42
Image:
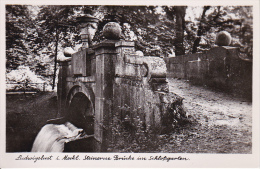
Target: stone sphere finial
x,y
223,38
112,30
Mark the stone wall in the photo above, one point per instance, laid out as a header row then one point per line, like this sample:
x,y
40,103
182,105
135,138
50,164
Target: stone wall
x,y
220,67
140,90
119,83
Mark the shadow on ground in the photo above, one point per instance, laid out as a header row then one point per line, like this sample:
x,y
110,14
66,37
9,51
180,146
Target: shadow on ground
x,y
25,115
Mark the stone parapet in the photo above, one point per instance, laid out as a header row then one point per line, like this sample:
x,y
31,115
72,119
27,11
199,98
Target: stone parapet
x,y
220,67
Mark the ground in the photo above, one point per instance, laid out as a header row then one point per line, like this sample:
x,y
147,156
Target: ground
x,y
25,115
220,122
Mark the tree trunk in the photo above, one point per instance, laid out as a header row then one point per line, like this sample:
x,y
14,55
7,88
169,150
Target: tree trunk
x,y
200,30
55,59
180,26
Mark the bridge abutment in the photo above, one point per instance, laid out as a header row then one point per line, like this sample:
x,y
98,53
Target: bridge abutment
x,y
122,87
105,53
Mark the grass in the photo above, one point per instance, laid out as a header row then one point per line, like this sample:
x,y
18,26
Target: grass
x,y
26,115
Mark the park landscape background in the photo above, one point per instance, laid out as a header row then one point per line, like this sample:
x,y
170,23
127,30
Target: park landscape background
x,y
36,35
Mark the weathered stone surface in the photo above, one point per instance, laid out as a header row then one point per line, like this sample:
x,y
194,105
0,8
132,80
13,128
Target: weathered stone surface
x,y
223,38
68,51
140,53
112,30
88,26
123,87
220,67
197,71
156,67
79,63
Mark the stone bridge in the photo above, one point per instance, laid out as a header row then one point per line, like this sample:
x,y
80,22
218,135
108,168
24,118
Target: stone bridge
x,y
109,81
222,67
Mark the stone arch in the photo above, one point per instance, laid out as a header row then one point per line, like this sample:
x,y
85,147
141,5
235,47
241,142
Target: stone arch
x,y
80,88
81,107
80,112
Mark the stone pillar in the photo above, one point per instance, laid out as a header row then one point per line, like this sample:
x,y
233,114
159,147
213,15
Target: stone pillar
x,y
105,52
122,48
61,89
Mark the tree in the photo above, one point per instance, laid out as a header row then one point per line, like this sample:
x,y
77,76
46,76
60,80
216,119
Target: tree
x,y
180,26
53,21
177,13
17,23
201,30
34,38
237,20
141,19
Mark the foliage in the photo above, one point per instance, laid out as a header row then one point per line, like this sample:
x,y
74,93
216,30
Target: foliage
x,y
34,32
17,22
55,21
140,21
237,20
23,75
132,137
177,13
130,132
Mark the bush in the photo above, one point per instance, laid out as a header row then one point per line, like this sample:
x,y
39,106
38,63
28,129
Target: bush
x,y
22,79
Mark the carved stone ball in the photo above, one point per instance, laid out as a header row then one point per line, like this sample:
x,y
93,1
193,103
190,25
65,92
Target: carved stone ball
x,y
68,51
139,53
112,30
223,38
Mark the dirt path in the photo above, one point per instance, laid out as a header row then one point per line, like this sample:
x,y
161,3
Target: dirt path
x,y
224,122
213,108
